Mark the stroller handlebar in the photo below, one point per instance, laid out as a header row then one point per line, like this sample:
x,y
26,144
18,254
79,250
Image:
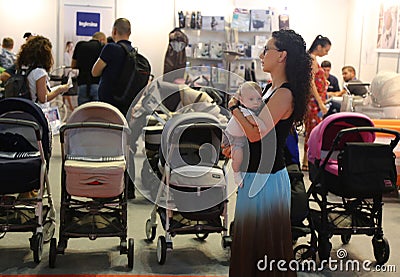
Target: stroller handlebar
x,y
393,143
21,122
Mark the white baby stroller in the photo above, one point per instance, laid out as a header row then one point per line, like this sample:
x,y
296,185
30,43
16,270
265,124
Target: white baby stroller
x,y
93,181
25,149
192,194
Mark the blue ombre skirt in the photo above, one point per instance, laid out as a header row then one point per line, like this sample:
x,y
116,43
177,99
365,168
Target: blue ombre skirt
x,y
262,230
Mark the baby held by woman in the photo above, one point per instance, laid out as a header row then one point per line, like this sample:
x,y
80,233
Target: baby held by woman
x,y
250,97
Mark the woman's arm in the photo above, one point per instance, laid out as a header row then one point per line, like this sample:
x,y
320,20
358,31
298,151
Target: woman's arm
x,y
314,90
278,107
42,92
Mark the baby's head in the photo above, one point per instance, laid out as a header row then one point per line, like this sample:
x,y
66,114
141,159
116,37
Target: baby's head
x,y
250,95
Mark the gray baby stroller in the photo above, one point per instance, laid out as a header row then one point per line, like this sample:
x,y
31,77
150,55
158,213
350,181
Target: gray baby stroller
x,y
93,181
25,149
192,194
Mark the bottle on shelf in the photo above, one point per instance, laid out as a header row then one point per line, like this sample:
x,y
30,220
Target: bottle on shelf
x,y
193,21
181,19
198,20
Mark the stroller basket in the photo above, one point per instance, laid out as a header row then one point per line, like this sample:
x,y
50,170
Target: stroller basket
x,y
366,169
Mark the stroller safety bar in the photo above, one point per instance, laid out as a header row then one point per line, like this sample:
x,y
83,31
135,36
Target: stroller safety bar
x,y
22,122
65,127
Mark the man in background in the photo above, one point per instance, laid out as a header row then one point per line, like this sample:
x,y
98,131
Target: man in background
x,y
333,81
109,66
7,57
354,86
83,58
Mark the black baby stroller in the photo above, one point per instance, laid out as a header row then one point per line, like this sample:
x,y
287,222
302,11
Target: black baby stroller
x,y
93,181
192,195
346,163
25,149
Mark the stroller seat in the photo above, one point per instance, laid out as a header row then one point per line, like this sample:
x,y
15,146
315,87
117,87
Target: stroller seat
x,y
95,179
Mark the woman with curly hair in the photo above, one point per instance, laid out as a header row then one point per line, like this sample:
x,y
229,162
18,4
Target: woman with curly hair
x,y
319,86
35,55
262,229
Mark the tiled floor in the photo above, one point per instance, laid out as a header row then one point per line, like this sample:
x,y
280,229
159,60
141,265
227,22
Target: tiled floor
x,y
189,256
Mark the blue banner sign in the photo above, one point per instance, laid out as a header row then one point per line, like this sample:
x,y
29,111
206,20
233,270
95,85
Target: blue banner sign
x,y
87,23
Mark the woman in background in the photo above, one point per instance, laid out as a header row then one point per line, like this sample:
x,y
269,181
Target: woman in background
x,y
316,104
36,55
69,50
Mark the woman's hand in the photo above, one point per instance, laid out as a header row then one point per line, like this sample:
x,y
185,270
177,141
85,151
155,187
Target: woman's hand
x,y
227,150
63,88
233,102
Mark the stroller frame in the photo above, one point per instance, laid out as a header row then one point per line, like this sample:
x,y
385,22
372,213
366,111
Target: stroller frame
x,y
77,212
361,214
42,225
201,230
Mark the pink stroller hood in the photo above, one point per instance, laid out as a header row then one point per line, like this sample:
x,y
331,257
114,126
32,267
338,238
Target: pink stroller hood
x,y
322,136
97,112
95,142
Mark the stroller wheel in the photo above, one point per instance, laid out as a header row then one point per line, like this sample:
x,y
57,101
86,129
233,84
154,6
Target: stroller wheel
x,y
49,228
53,253
345,238
304,252
37,245
202,237
130,253
161,250
150,231
381,250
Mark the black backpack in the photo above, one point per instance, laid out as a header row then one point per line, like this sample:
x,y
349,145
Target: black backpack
x,y
134,77
17,84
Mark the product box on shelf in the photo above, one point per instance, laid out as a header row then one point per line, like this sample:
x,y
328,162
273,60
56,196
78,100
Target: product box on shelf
x,y
201,50
213,23
216,50
260,20
241,20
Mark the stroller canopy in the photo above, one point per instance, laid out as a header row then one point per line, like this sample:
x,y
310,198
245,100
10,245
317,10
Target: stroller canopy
x,y
322,136
19,108
96,142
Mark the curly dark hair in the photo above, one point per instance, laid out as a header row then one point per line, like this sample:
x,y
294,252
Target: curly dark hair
x,y
298,69
36,52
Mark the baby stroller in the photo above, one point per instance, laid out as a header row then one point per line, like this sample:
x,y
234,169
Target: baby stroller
x,y
160,102
93,179
192,195
25,149
346,164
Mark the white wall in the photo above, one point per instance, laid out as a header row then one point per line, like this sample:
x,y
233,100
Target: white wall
x,y
351,25
20,16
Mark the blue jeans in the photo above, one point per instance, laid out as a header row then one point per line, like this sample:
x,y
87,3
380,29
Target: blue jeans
x,y
87,96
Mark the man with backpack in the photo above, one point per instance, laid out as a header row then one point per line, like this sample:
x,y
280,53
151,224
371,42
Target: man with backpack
x,y
123,74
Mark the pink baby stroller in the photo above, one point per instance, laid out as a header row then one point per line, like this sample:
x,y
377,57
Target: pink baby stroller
x,y
93,181
349,173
